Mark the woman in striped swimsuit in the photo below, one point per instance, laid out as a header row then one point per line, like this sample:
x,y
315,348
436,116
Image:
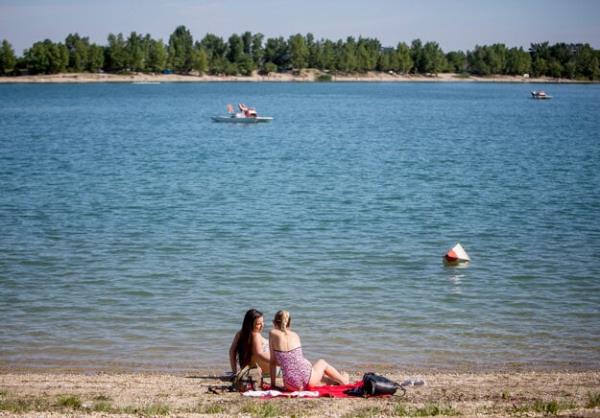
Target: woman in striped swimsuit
x,y
286,352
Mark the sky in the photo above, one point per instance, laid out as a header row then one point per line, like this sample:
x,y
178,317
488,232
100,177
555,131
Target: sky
x,y
454,24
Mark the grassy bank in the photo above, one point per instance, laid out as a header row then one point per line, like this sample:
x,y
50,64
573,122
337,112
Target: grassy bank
x,y
516,394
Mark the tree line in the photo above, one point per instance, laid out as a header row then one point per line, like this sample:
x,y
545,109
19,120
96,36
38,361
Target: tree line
x,y
242,54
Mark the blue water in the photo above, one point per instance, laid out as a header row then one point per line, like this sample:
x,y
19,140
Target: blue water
x,y
135,232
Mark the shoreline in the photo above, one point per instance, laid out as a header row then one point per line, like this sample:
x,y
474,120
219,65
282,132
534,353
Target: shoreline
x,y
492,394
305,76
86,366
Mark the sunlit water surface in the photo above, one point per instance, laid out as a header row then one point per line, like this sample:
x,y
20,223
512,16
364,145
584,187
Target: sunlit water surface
x,y
135,232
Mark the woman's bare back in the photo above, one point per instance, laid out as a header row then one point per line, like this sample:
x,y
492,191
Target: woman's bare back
x,y
283,341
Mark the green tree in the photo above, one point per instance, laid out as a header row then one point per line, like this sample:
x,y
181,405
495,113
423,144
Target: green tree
x,y
47,57
214,45
477,61
221,66
298,51
555,69
362,58
180,49
59,57
540,55
247,42
257,49
315,52
565,55
595,71
245,65
157,56
200,61
236,49
497,58
384,62
370,56
570,69
539,67
404,59
215,48
8,60
586,63
416,52
78,48
268,68
518,62
346,55
246,52
328,55
276,51
309,39
389,60
229,68
434,60
457,61
37,58
95,58
135,52
115,53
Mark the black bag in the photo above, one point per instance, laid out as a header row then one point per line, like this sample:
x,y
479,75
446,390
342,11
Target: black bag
x,y
375,385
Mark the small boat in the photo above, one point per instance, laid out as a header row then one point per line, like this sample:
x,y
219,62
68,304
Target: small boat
x,y
245,115
234,119
540,94
456,255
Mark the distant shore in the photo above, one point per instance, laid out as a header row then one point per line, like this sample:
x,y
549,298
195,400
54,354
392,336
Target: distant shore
x,y
96,394
302,76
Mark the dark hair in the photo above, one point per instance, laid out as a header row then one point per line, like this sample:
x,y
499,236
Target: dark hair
x,y
244,344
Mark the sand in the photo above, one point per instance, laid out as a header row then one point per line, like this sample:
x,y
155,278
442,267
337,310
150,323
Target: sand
x,y
490,394
302,76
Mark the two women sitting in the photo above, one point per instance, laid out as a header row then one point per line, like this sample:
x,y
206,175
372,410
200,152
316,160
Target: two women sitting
x,y
283,349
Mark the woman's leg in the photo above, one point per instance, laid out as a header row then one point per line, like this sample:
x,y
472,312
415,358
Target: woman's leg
x,y
264,365
321,369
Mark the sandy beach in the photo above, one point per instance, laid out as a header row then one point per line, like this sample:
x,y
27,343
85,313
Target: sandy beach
x,y
491,394
302,76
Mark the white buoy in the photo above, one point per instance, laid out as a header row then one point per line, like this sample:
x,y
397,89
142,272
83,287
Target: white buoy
x,y
456,255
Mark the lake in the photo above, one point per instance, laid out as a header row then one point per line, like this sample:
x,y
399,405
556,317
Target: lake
x,y
135,232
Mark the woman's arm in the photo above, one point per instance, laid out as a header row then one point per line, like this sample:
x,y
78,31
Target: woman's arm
x,y
272,362
233,353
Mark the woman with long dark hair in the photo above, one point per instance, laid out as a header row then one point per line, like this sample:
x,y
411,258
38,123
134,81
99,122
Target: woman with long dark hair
x,y
249,347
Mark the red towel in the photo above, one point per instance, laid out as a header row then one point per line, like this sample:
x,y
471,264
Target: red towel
x,y
336,391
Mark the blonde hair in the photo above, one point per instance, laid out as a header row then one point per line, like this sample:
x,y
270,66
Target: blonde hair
x,y
282,320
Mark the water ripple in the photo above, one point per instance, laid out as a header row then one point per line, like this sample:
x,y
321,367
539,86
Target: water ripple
x,y
135,228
